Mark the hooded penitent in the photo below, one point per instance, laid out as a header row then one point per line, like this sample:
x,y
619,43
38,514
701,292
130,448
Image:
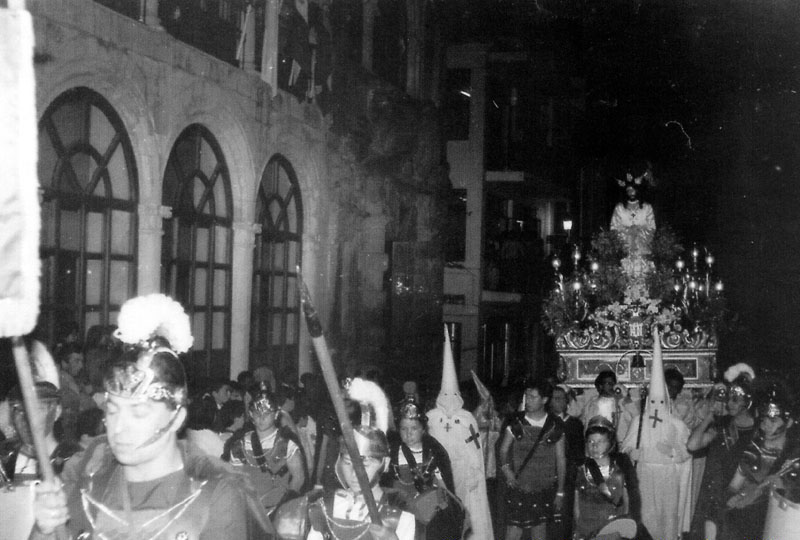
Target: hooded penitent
x,y
457,430
664,465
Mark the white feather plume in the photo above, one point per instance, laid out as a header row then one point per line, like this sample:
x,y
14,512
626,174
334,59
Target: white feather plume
x,y
368,393
738,369
44,366
144,317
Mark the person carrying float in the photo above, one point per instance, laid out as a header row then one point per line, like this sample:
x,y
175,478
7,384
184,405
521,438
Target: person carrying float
x,y
139,481
420,470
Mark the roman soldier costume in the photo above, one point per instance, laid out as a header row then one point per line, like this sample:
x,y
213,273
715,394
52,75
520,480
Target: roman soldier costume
x,y
264,459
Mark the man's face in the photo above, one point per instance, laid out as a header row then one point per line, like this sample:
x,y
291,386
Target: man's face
x,y
411,432
606,387
222,395
558,401
48,409
673,389
131,423
534,402
347,474
73,364
263,421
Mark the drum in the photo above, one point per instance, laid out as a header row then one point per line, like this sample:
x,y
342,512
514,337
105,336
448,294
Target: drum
x,y
783,517
16,502
617,529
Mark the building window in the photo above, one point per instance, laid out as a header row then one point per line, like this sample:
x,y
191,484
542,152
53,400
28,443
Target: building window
x,y
197,246
89,187
278,248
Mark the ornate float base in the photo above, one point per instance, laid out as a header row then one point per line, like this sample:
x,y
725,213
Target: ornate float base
x,y
579,367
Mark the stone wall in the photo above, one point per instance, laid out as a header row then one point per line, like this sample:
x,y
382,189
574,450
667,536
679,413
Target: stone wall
x,y
159,86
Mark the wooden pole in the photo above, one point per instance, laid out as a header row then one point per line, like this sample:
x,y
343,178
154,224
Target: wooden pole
x,y
329,374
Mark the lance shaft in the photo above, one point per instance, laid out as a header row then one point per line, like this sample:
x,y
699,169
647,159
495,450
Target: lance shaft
x,y
329,373
35,419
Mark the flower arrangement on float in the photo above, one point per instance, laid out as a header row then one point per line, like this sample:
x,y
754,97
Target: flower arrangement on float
x,y
599,305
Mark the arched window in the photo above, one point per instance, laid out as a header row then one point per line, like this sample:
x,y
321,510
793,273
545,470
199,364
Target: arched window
x,y
274,330
89,197
197,246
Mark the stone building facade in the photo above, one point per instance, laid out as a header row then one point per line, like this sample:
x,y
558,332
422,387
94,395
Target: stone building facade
x,y
165,169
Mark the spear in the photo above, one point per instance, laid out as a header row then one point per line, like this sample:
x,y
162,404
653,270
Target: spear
x,y
329,373
19,206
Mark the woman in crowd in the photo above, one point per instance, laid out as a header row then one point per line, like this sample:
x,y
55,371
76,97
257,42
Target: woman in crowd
x,y
725,433
420,469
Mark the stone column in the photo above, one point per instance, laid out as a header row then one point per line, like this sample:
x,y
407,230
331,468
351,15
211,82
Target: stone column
x,y
249,30
367,32
151,228
269,50
244,235
150,15
414,15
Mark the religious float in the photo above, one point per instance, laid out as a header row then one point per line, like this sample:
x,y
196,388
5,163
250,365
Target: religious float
x,y
602,310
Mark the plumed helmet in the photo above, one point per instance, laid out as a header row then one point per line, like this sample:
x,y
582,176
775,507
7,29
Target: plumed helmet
x,y
410,410
600,422
370,435
774,405
154,330
263,400
740,380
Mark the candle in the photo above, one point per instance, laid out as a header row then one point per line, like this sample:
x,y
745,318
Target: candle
x,y
679,264
576,255
718,286
576,286
556,262
709,260
594,267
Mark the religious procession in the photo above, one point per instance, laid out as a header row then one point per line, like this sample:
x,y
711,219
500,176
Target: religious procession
x,y
142,455
399,270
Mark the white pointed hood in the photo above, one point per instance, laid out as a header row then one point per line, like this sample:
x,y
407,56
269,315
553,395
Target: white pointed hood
x,y
658,397
449,398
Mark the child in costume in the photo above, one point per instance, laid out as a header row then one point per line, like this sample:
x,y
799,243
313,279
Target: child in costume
x,y
420,470
342,514
601,487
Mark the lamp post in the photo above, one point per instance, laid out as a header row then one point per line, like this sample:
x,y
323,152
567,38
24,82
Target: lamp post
x,y
567,224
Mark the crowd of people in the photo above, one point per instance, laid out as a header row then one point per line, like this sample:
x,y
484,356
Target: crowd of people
x,y
137,453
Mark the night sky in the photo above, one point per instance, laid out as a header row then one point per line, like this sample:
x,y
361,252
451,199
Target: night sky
x,y
708,91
